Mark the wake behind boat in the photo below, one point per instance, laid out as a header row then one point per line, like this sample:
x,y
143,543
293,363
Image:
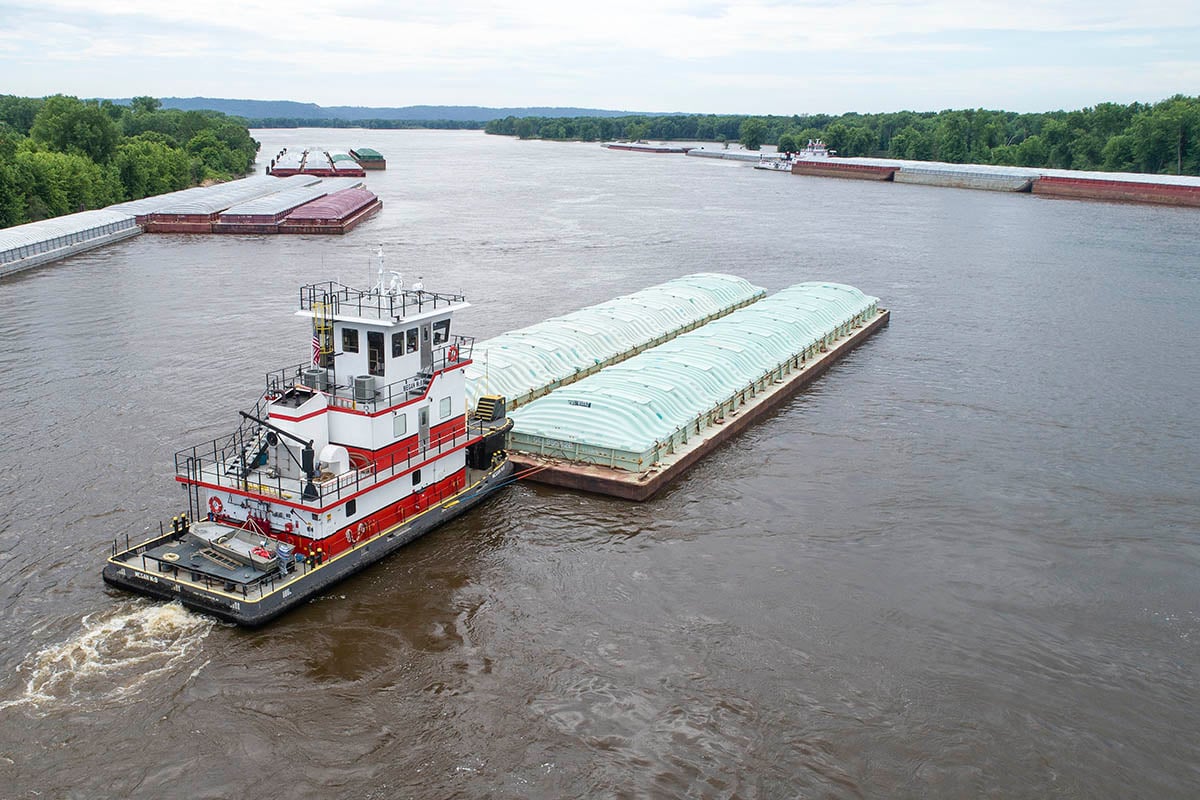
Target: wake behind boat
x,y
345,458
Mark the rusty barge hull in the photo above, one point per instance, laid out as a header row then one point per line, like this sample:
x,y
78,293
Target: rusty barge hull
x,y
1120,191
832,169
640,486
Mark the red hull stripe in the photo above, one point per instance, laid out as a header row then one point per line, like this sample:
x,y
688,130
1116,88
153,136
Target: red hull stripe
x,y
341,500
370,526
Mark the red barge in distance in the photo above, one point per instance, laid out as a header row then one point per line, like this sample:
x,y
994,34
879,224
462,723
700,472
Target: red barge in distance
x,y
345,458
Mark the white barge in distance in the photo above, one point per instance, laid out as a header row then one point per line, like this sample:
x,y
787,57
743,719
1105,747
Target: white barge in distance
x,y
346,457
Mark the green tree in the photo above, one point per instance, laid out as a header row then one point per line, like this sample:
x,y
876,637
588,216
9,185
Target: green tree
x,y
19,112
787,143
1167,135
145,105
952,137
69,125
752,133
63,183
1032,152
148,167
1118,154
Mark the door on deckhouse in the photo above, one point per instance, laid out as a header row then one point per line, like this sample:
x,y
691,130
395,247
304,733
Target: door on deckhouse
x,y
375,353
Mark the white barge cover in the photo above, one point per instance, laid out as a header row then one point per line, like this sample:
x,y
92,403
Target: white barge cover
x,y
203,199
33,239
628,416
529,362
278,203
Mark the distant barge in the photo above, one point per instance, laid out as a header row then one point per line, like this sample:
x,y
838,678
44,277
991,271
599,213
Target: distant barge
x,y
1172,190
315,162
641,147
369,158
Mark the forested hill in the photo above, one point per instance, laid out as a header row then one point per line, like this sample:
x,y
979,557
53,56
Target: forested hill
x,y
254,110
1161,137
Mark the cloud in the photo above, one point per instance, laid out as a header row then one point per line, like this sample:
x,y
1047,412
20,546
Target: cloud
x,y
547,51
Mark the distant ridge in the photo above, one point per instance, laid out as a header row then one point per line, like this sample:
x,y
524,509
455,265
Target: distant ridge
x,y
287,109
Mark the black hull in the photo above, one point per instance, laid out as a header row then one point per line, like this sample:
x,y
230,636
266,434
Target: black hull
x,y
253,612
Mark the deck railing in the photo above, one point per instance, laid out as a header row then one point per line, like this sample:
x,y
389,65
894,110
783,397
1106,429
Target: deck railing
x,y
456,351
203,464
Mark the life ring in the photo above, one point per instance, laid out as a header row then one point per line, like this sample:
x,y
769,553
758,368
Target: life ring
x,y
452,353
288,528
215,505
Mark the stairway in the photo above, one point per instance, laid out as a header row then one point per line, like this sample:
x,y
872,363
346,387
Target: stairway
x,y
251,454
487,407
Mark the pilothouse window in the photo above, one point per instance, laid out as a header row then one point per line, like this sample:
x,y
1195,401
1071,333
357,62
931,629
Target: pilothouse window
x,y
397,344
349,340
412,340
441,332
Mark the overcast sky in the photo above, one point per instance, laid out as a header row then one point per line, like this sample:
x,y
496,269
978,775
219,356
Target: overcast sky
x,y
699,56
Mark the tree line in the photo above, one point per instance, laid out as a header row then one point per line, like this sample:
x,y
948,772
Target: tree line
x,y
60,154
1160,138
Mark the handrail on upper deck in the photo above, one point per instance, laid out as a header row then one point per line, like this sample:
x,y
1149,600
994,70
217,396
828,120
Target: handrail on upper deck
x,y
394,304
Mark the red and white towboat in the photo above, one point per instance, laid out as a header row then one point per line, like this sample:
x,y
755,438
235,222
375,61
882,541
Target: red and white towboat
x,y
346,458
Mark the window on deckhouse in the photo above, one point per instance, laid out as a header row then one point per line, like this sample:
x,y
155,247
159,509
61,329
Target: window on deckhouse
x,y
441,332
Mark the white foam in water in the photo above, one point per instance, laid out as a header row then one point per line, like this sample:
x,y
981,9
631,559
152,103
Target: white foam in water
x,y
113,656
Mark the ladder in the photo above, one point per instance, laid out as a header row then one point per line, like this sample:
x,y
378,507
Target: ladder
x,y
322,332
255,445
220,559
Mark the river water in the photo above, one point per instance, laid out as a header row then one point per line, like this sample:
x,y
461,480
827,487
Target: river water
x,y
963,563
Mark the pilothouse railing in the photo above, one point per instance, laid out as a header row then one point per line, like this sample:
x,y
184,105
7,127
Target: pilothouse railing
x,y
396,304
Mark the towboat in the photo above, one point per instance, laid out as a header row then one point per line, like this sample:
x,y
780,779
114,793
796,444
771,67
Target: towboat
x,y
782,164
347,457
815,150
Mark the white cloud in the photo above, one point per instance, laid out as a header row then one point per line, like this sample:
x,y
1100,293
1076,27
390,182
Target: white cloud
x,y
547,51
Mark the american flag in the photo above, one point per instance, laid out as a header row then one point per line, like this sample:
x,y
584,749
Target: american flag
x,y
316,350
